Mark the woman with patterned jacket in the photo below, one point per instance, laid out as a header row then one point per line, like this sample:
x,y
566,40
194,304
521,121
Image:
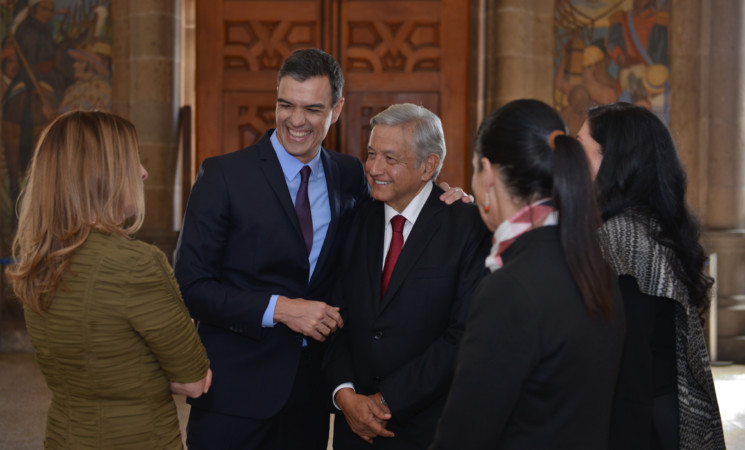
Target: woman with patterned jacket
x,y
665,396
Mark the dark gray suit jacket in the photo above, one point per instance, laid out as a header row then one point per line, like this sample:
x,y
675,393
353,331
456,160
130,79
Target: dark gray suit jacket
x,y
404,345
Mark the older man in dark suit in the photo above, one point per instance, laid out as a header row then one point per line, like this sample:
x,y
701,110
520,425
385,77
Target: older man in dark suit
x,y
410,264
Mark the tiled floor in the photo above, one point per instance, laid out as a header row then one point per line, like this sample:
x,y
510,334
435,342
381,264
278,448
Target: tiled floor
x,y
729,382
24,399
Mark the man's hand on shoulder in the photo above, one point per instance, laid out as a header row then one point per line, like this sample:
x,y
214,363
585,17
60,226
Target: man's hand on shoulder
x,y
311,318
366,415
452,195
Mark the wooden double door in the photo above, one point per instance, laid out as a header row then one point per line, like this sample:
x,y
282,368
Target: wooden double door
x,y
390,51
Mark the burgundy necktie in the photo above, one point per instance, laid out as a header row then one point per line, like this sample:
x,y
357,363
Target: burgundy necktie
x,y
397,243
302,208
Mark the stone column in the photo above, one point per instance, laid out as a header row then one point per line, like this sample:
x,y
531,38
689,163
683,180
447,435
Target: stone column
x,y
708,118
714,158
518,51
145,86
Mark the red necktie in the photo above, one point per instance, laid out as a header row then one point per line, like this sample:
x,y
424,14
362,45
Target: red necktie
x,y
397,243
302,208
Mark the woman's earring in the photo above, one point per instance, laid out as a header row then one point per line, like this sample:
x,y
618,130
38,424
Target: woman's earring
x,y
486,203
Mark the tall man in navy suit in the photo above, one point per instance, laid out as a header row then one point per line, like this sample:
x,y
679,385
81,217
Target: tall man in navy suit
x,y
253,281
256,271
409,268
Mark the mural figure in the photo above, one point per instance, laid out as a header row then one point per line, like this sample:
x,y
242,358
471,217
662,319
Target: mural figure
x,y
92,88
10,67
30,102
55,58
611,50
639,35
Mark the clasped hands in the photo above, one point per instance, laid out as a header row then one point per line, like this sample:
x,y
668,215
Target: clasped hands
x,y
311,318
194,389
366,415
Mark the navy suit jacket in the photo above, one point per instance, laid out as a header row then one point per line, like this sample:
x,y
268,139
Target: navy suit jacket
x,y
404,345
240,243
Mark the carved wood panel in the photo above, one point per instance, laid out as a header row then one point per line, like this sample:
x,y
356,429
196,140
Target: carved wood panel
x,y
247,116
240,48
259,35
390,51
401,38
406,51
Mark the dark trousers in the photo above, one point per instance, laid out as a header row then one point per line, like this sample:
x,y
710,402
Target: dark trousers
x,y
302,424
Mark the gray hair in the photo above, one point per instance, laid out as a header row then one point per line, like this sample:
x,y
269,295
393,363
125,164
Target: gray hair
x,y
428,135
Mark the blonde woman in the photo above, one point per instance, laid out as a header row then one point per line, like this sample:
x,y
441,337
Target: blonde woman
x,y
103,311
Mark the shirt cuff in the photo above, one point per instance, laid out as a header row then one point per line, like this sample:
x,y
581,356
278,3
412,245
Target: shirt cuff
x,y
267,320
339,388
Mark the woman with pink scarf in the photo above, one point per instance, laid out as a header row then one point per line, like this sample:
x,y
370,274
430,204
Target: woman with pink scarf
x,y
543,341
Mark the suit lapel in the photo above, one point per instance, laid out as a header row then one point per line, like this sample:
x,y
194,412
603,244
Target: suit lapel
x,y
276,180
375,232
425,227
333,185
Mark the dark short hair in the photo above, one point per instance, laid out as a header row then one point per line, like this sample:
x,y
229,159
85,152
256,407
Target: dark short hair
x,y
312,62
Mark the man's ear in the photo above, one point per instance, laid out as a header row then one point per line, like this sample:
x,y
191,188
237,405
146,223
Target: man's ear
x,y
337,110
429,166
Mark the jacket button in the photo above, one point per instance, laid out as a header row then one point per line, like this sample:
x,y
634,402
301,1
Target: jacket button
x,y
378,335
378,379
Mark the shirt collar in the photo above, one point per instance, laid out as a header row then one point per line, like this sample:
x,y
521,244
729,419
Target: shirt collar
x,y
290,165
412,210
539,214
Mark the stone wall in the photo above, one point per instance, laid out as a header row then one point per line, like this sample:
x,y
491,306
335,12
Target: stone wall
x,y
707,122
146,70
518,51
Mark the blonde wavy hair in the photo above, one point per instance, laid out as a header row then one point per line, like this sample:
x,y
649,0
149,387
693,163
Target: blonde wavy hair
x,y
85,174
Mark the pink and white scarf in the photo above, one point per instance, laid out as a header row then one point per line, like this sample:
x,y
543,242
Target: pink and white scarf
x,y
539,214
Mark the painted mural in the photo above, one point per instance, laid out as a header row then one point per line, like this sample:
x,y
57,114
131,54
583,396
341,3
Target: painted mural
x,y
56,57
611,50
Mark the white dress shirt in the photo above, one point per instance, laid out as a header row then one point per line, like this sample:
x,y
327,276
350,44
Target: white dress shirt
x,y
410,213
